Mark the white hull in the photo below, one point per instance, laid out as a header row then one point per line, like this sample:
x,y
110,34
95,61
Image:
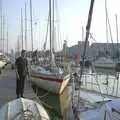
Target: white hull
x,y
52,86
104,65
47,80
23,109
2,64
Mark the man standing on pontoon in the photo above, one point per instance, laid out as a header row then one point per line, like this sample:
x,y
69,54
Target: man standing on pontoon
x,y
21,73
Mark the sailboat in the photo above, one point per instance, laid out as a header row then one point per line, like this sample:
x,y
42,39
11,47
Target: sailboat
x,y
105,108
50,77
104,62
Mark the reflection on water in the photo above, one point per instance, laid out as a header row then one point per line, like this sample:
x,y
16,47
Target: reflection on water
x,y
59,105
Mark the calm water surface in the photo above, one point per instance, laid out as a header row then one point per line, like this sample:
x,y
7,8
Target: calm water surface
x,y
59,105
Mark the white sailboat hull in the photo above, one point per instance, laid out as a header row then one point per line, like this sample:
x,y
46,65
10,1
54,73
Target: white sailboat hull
x,y
49,85
2,64
104,65
47,80
23,109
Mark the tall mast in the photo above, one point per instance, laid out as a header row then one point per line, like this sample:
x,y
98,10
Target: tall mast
x,y
44,47
85,45
18,44
7,37
87,34
1,24
3,37
106,14
31,23
53,27
117,35
22,28
50,27
82,33
25,27
108,24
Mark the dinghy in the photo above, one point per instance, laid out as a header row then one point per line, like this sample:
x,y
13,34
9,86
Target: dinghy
x,y
23,109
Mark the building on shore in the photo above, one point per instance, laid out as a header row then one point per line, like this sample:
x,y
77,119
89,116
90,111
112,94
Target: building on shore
x,y
94,50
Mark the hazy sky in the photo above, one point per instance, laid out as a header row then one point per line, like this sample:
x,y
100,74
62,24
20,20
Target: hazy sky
x,y
72,16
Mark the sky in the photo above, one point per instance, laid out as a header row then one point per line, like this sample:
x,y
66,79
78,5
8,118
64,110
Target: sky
x,y
72,15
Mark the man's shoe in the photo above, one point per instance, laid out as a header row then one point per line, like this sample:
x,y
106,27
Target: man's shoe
x,y
22,96
17,96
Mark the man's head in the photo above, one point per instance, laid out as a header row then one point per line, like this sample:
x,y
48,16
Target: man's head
x,y
23,53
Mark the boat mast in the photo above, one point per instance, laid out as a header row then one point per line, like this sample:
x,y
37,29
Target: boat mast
x,y
22,28
84,52
3,34
87,34
53,28
108,22
106,14
25,27
82,33
44,46
50,26
31,24
117,54
1,24
7,37
18,44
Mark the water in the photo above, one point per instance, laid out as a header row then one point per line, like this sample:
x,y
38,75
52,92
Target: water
x,y
105,81
98,87
58,107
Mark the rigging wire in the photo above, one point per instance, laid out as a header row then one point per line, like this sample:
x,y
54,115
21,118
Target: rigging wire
x,y
108,22
106,13
117,55
58,24
44,46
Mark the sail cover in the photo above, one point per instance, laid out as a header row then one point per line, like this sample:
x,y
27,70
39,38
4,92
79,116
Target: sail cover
x,y
110,110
